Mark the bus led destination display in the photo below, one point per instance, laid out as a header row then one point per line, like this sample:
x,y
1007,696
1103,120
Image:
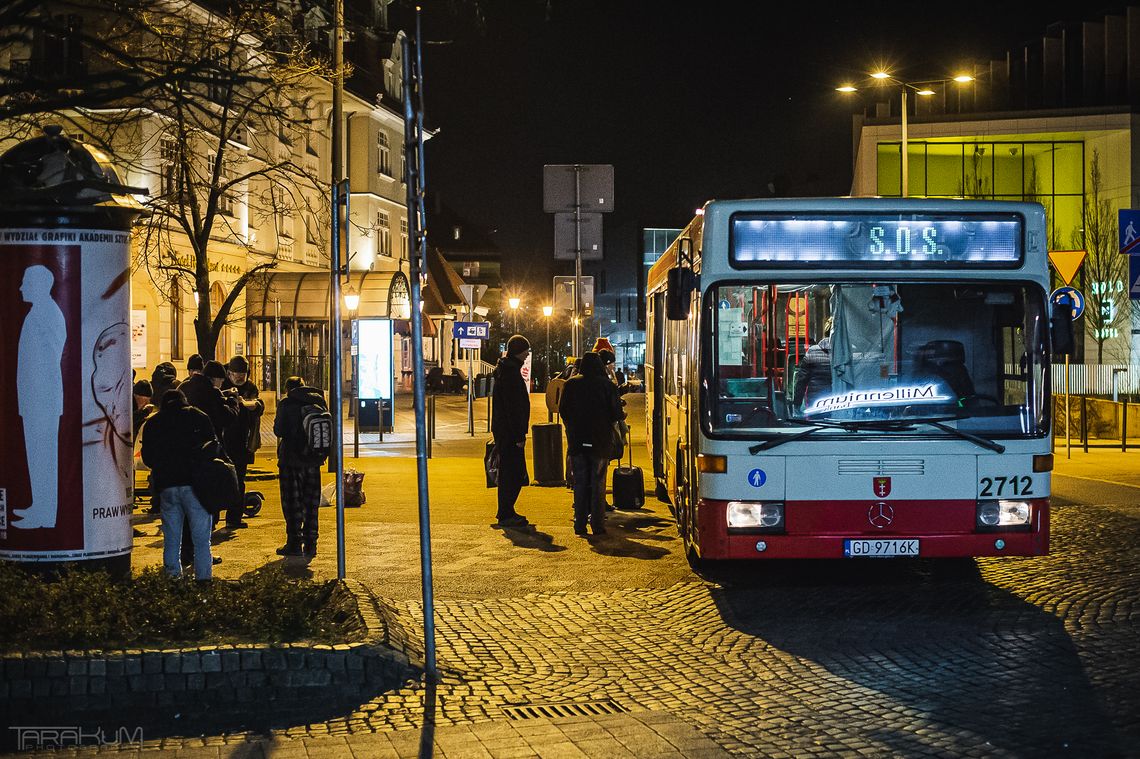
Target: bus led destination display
x,y
872,239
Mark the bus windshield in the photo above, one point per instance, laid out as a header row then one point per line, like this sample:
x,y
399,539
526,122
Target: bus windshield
x,y
873,355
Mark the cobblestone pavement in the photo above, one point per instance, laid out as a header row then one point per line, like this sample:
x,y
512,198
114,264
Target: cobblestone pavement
x,y
1019,658
1009,657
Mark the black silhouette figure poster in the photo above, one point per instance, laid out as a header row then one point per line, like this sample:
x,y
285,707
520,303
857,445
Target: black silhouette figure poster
x,y
41,400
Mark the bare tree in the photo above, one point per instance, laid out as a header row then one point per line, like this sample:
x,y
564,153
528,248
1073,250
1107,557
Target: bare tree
x,y
231,112
1105,269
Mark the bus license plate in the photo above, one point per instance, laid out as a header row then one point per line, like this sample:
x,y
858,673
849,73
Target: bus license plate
x,y
878,548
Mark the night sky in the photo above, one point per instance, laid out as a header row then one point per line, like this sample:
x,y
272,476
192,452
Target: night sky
x,y
688,101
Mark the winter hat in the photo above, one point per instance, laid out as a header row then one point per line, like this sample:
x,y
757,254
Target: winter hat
x,y
165,371
195,363
238,364
591,364
517,344
143,388
214,370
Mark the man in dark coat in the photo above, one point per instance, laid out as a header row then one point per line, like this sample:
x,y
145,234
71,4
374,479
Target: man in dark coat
x,y
510,421
241,438
203,391
590,407
300,480
171,439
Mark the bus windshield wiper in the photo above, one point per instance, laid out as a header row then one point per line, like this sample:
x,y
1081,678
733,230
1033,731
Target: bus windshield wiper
x,y
812,427
876,425
937,422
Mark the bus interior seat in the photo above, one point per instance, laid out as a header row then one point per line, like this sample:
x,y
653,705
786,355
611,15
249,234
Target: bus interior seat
x,y
946,359
747,387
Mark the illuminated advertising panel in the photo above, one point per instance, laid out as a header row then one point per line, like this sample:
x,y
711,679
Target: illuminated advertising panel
x,y
868,240
375,356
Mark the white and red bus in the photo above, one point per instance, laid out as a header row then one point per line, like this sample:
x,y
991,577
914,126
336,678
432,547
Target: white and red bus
x,y
834,378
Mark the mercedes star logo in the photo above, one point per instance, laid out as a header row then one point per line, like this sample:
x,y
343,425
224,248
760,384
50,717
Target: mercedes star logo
x,y
880,515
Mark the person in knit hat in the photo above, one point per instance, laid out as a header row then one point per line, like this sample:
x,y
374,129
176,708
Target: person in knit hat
x,y
510,421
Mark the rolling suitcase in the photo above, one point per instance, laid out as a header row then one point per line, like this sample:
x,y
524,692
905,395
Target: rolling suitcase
x,y
628,484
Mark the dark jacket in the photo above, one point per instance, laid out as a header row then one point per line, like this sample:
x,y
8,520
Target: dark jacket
x,y
237,437
813,376
170,442
589,407
202,395
288,428
510,403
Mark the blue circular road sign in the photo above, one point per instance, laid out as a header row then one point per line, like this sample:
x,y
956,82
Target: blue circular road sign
x,y
1071,297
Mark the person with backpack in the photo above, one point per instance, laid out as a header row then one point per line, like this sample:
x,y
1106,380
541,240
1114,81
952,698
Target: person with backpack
x,y
171,440
303,427
590,408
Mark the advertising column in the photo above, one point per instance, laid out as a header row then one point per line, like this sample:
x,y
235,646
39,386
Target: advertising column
x,y
66,473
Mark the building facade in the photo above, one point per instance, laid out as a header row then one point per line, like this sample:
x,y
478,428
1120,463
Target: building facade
x,y
1054,123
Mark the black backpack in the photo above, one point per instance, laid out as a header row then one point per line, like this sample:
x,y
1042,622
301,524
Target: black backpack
x,y
214,480
316,433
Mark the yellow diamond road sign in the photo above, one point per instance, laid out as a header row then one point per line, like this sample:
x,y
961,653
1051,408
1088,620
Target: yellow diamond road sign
x,y
1067,263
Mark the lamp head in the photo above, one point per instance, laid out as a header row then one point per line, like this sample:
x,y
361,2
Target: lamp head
x,y
514,302
547,310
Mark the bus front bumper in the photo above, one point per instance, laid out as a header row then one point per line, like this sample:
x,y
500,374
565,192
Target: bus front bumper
x,y
820,529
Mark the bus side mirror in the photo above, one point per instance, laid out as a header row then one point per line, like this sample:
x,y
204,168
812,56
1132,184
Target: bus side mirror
x,y
1061,329
679,286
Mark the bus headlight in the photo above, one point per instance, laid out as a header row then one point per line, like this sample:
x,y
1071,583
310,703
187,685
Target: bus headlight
x,y
755,516
996,515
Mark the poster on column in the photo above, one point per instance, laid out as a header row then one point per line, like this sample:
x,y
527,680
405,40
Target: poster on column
x,y
66,476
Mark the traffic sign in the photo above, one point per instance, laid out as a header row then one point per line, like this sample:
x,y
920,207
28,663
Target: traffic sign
x,y
471,330
1071,297
1128,222
1067,263
1134,277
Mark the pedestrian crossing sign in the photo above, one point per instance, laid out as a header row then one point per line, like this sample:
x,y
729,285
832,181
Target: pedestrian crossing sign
x,y
1128,222
1134,277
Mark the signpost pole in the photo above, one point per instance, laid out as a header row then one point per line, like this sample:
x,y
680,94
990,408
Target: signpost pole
x,y
577,337
1068,414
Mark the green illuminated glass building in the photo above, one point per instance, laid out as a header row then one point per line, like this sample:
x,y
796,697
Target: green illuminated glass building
x,y
1055,123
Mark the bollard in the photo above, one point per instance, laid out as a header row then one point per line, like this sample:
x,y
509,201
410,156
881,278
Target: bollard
x,y
1124,429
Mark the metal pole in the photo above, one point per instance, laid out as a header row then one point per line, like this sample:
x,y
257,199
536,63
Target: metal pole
x,y
905,158
336,454
1085,422
413,144
577,337
277,342
1124,428
549,376
355,393
1068,414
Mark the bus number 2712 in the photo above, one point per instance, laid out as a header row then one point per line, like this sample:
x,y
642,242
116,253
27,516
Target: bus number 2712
x,y
996,487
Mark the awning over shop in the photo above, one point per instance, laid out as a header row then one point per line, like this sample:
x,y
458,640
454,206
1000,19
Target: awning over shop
x,y
404,327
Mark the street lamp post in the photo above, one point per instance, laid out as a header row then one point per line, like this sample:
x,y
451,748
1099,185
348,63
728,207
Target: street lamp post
x,y
922,89
514,304
548,311
352,302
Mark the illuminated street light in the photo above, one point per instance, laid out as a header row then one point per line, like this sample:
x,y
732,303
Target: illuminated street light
x,y
514,304
351,299
922,89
